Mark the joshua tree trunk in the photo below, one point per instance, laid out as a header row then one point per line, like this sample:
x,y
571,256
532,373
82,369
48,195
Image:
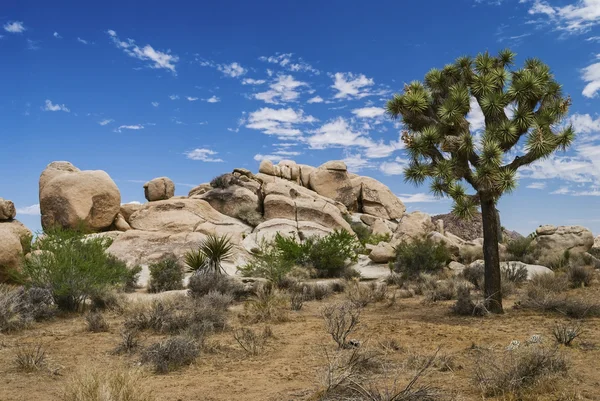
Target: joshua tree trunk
x,y
491,255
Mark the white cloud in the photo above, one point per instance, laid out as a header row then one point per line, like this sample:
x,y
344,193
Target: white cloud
x,y
85,42
105,122
561,191
232,70
395,167
575,18
420,197
566,168
369,112
33,210
316,99
155,104
33,44
173,97
356,162
55,107
130,127
585,124
591,75
132,202
158,59
286,60
280,122
213,99
202,154
14,27
475,116
283,90
537,185
191,99
252,81
349,85
56,35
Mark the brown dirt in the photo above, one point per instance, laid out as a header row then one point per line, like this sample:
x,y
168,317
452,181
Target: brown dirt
x,y
287,370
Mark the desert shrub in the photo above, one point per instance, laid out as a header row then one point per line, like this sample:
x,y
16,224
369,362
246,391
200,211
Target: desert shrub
x,y
580,276
11,316
95,322
73,267
114,384
364,294
474,274
166,275
565,334
269,262
30,358
554,283
395,279
557,262
341,320
518,368
200,285
195,260
131,279
268,305
329,254
251,342
109,300
465,306
171,354
443,290
312,291
514,273
363,233
224,181
250,215
37,303
296,301
130,341
519,248
420,256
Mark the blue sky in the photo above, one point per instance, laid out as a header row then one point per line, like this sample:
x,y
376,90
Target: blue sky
x,y
190,91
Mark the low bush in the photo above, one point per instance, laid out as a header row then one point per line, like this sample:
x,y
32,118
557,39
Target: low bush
x,y
329,254
30,358
296,301
364,294
519,248
362,231
131,279
250,341
420,256
130,341
580,276
518,368
341,320
95,322
21,306
565,334
73,267
114,384
171,354
312,291
465,306
224,181
268,305
250,216
474,274
166,275
514,273
443,290
110,300
202,284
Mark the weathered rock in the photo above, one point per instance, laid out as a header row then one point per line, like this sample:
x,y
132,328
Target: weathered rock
x,y
14,236
243,172
456,268
127,209
376,198
234,201
382,253
368,219
289,170
380,227
120,224
331,180
200,189
596,245
305,171
532,270
69,197
185,215
471,250
161,188
266,167
414,225
552,242
7,210
449,243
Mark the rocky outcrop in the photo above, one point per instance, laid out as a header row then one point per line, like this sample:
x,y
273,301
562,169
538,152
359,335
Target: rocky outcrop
x,y
332,181
596,246
161,188
15,241
7,210
266,232
376,199
70,197
120,224
234,201
382,253
412,226
127,209
551,242
200,190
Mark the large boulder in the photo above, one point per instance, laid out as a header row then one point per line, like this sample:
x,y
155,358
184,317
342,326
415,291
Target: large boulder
x,y
7,210
186,215
234,201
161,188
551,242
532,270
127,209
382,253
332,181
376,199
15,241
70,197
413,225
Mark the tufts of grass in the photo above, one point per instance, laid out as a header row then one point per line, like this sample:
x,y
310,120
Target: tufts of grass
x,y
114,384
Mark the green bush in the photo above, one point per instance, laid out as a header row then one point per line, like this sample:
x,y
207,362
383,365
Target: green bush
x,y
420,256
165,275
519,248
329,254
131,278
73,267
269,262
362,231
203,284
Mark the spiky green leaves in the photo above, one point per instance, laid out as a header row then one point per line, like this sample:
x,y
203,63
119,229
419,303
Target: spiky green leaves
x,y
417,172
465,207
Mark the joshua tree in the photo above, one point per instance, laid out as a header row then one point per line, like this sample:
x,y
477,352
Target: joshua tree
x,y
523,111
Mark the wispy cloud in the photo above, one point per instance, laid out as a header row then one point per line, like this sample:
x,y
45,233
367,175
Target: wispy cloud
x,y
284,89
173,97
213,99
85,42
280,122
591,75
316,99
202,154
157,59
349,85
420,197
232,70
155,104
576,18
15,27
369,112
56,35
252,81
106,122
129,127
191,99
395,167
33,210
287,61
33,44
537,185
49,106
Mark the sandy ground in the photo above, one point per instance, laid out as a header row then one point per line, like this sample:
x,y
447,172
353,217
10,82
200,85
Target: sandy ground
x,y
288,368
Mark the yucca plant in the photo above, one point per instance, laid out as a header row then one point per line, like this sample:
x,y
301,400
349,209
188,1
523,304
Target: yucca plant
x,y
522,107
216,250
195,260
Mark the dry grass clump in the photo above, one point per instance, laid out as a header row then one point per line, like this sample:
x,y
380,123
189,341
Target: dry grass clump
x,y
268,305
171,354
96,322
316,291
565,334
19,307
364,294
30,358
465,306
115,384
202,284
130,341
341,320
580,275
296,301
252,342
517,368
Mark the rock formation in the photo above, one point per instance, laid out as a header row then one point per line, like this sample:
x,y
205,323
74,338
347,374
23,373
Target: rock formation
x,y
15,240
7,210
551,242
161,188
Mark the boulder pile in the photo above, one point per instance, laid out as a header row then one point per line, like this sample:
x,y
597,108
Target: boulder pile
x,y
15,239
